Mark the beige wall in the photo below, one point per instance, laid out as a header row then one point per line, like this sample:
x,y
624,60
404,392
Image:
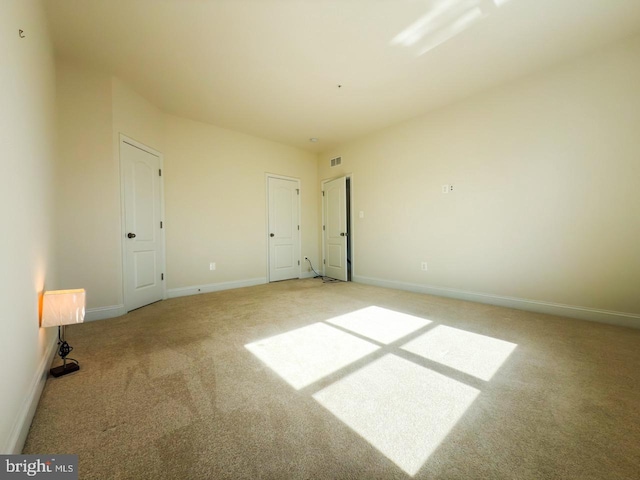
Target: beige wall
x,y
544,208
214,190
27,155
88,187
136,117
546,200
215,196
93,108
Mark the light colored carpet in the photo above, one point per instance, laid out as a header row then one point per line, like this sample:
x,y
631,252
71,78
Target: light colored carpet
x,y
306,380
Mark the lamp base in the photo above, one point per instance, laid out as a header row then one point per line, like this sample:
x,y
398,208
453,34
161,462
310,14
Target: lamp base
x,y
64,369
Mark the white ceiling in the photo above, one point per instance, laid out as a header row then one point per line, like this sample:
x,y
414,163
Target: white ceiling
x,y
271,68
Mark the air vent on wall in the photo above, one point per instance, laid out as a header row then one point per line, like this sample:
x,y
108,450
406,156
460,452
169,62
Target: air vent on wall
x,y
336,161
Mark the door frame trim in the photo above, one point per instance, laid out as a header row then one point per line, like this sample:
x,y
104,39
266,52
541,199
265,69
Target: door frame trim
x,y
351,220
267,176
122,138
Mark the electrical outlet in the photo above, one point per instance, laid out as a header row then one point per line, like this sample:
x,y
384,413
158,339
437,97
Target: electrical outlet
x,y
445,188
212,266
423,266
306,258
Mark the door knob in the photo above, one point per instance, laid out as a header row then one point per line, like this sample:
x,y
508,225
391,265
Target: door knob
x,y
343,234
131,235
272,234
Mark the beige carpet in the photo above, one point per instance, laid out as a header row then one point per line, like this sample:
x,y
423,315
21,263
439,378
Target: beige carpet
x,y
306,380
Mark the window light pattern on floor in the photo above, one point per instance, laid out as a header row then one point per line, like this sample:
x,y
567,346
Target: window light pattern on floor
x,y
380,324
401,407
306,355
471,353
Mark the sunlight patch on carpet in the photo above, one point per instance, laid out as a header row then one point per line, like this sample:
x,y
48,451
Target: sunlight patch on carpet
x,y
379,324
468,352
305,355
404,410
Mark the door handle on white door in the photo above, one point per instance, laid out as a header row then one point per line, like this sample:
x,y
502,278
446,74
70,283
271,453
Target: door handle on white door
x,y
343,234
272,234
131,235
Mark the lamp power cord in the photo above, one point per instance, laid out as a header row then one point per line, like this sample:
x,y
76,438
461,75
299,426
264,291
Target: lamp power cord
x,y
64,348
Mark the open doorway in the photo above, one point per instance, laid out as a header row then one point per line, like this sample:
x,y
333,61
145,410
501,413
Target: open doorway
x,y
349,230
337,238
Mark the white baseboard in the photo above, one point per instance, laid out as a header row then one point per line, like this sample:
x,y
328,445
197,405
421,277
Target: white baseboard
x,y
102,313
23,420
583,313
214,287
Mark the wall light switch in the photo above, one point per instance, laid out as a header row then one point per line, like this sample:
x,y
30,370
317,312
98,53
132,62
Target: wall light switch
x,y
212,266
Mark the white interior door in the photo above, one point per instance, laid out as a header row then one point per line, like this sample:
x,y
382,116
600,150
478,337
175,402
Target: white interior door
x,y
284,229
335,228
143,245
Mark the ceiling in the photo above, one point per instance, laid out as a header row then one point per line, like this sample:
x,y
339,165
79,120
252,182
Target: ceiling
x,y
289,70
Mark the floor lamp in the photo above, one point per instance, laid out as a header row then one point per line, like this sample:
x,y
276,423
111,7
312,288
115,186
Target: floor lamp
x,y
60,308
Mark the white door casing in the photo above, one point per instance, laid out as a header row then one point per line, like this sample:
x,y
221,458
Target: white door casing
x,y
143,242
283,228
335,228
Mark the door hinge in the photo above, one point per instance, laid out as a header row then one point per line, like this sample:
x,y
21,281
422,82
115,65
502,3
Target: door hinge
x,y
322,227
298,227
323,193
324,262
161,224
298,262
162,276
298,191
159,172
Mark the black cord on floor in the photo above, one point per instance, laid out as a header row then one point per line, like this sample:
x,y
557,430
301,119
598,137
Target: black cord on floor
x,y
324,279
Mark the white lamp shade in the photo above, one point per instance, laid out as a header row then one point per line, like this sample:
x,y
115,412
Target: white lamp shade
x,y
63,307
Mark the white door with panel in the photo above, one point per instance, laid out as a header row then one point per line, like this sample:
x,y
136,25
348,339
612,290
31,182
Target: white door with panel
x,y
143,243
284,229
335,228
